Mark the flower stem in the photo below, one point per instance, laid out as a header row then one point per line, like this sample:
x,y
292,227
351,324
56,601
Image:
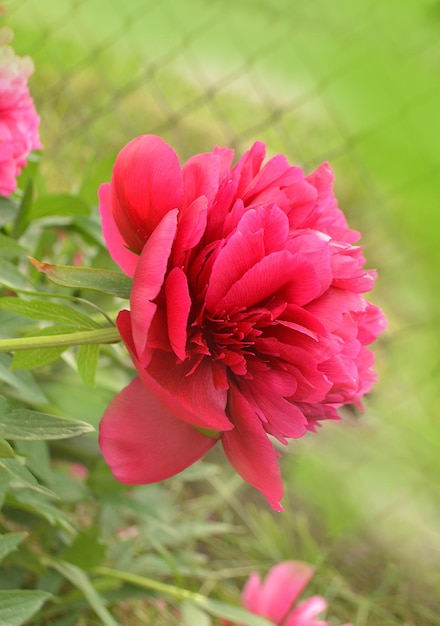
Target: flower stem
x,y
147,583
79,338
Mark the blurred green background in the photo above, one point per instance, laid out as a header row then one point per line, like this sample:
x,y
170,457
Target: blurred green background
x,y
356,83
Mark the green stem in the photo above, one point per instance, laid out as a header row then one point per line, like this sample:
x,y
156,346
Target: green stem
x,y
79,338
148,583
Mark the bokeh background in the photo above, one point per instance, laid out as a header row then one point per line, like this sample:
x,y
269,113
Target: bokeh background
x,y
354,83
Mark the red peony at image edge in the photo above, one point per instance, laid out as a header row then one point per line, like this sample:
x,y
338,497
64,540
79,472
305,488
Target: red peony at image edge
x,y
246,319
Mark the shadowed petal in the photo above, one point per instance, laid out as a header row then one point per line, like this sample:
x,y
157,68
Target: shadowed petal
x,y
178,307
149,278
250,452
143,442
125,258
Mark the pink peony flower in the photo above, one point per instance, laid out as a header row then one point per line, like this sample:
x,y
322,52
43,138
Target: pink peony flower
x,y
18,118
246,315
276,597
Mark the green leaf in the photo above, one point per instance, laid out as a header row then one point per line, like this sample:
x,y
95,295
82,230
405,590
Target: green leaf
x,y
37,504
27,424
10,249
22,219
48,312
8,210
80,579
59,205
104,281
6,452
233,613
11,277
16,607
87,362
193,616
26,387
23,476
9,542
36,357
86,551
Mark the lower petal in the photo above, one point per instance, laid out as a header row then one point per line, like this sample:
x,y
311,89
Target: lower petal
x,y
143,442
250,451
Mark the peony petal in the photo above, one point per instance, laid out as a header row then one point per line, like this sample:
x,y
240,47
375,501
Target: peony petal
x,y
149,277
192,397
292,273
143,442
125,258
201,177
304,614
178,307
191,226
258,233
250,452
281,587
146,184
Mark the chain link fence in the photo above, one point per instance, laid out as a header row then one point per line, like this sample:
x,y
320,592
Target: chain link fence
x,y
355,83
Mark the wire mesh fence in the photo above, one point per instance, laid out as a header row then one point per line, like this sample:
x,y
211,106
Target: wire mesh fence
x,y
355,83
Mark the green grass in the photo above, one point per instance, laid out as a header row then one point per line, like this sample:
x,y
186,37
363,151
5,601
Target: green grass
x,y
356,84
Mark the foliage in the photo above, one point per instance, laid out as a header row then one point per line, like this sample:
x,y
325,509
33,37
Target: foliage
x,y
77,548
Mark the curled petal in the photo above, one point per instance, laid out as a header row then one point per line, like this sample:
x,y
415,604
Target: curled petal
x,y
143,442
149,278
117,246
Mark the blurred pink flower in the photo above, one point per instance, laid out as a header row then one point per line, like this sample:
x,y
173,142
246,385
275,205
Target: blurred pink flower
x,y
246,315
276,597
18,118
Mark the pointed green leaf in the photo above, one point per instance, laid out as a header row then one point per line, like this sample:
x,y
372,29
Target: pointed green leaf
x,y
16,607
10,249
6,452
87,362
234,613
104,281
37,504
193,616
22,219
11,277
26,387
48,312
27,424
21,474
9,542
80,579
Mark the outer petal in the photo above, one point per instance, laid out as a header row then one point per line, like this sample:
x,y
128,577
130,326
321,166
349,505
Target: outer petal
x,y
146,184
304,614
149,278
282,586
250,452
143,442
117,246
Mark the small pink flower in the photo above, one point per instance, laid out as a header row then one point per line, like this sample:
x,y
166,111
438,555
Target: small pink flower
x,y
276,597
246,314
18,118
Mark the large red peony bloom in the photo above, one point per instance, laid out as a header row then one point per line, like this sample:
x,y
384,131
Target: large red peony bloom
x,y
246,315
18,118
